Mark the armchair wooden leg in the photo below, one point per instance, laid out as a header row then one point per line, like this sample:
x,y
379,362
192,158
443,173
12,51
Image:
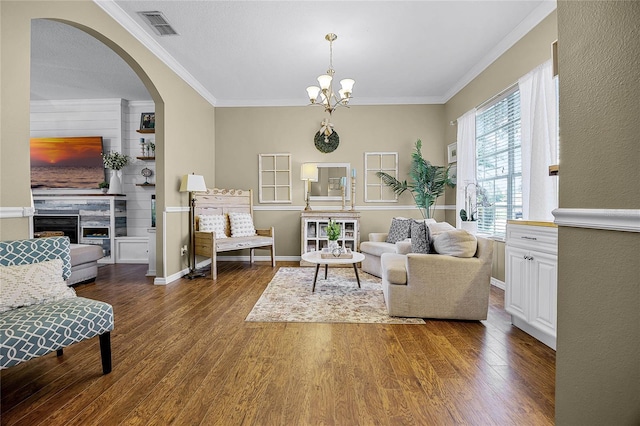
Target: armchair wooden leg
x,y
105,352
273,257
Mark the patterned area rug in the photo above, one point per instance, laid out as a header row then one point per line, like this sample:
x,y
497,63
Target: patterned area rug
x,y
288,298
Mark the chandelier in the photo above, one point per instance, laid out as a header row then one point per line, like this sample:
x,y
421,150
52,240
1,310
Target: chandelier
x,y
324,95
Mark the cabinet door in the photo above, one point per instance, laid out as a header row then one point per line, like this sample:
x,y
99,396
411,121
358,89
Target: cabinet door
x,y
516,286
544,290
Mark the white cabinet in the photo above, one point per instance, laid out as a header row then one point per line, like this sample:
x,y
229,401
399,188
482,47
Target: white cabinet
x,y
314,235
531,278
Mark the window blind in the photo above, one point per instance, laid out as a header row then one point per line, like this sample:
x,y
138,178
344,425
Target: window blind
x,y
499,164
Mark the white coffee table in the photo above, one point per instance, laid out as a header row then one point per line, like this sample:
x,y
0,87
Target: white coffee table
x,y
315,257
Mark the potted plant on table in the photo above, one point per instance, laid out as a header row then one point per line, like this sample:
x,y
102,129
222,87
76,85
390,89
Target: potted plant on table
x,y
333,233
104,186
428,182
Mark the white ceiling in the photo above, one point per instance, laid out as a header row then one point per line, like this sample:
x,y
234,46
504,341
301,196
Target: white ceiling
x,y
265,53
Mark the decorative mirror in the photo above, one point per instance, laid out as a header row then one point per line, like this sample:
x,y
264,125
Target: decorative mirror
x,y
328,187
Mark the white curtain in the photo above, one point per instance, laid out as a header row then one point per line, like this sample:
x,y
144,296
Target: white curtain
x,y
466,158
538,117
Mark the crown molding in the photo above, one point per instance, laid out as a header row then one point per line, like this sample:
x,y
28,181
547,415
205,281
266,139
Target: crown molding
x,y
527,24
120,16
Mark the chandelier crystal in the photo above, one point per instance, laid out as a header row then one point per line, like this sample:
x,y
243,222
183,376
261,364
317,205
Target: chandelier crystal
x,y
324,95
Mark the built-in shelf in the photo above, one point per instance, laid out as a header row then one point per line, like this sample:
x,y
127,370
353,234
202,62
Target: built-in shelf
x,y
146,130
145,184
146,158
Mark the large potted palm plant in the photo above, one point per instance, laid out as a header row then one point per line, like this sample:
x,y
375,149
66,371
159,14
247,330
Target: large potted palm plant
x,y
427,182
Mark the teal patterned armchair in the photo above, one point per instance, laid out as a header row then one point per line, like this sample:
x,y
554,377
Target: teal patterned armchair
x,y
31,331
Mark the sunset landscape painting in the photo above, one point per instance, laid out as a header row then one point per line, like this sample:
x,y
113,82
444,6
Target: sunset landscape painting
x,y
67,162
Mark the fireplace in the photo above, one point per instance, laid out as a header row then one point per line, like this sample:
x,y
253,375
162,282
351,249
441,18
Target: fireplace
x,y
65,223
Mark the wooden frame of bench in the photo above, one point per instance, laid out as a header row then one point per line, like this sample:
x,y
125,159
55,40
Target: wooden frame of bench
x,y
222,201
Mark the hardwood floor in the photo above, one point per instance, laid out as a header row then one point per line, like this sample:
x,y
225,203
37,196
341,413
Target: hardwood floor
x,y
182,354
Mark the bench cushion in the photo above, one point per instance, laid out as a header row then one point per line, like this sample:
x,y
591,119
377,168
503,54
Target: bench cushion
x,y
36,330
238,243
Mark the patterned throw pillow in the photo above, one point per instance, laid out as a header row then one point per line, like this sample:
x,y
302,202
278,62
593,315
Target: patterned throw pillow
x,y
420,238
400,230
213,223
36,283
241,225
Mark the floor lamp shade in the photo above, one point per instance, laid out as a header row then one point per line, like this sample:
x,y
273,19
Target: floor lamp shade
x,y
193,183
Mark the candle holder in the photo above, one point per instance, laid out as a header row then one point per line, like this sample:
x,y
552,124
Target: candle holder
x,y
353,194
343,197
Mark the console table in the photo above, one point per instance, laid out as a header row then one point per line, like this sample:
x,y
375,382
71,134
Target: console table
x,y
314,230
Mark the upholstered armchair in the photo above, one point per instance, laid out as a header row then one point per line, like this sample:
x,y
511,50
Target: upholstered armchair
x,y
438,286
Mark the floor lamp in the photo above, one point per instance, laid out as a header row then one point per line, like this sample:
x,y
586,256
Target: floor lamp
x,y
192,183
308,173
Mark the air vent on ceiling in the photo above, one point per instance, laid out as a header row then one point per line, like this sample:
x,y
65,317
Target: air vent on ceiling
x,y
158,22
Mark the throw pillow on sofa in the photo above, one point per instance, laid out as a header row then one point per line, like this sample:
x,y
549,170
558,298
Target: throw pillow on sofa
x,y
241,225
400,230
31,284
420,237
458,243
213,223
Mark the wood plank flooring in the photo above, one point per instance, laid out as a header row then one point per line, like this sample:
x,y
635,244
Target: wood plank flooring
x,y
182,354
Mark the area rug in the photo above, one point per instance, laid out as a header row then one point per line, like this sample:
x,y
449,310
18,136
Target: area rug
x,y
288,298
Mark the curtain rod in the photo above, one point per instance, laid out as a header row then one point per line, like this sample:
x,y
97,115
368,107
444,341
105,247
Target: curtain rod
x,y
497,95
491,99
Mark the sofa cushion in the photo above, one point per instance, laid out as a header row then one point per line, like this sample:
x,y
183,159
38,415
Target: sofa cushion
x,y
420,237
37,283
404,246
458,243
241,225
213,223
377,248
399,230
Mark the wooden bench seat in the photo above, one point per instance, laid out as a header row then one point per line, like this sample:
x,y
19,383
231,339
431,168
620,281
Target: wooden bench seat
x,y
222,202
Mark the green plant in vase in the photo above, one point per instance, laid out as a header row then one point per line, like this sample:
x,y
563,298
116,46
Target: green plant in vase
x,y
104,186
333,233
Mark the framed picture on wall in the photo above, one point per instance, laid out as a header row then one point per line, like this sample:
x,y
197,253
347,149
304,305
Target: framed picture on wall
x,y
452,152
147,120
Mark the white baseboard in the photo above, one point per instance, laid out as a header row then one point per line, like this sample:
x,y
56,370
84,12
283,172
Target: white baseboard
x,y
496,282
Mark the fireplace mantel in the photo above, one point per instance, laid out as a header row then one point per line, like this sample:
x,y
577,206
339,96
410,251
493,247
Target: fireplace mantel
x,y
102,217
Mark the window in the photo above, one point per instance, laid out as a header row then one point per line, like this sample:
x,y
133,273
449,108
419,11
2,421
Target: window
x,y
274,175
499,164
375,191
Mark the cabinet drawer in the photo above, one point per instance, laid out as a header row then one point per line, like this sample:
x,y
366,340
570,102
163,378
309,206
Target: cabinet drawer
x,y
540,238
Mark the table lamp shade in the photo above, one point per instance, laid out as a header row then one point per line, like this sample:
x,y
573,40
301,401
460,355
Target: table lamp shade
x,y
309,171
193,183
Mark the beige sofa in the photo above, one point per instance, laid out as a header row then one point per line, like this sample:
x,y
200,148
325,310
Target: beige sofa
x,y
438,286
375,247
